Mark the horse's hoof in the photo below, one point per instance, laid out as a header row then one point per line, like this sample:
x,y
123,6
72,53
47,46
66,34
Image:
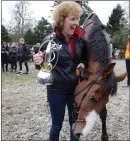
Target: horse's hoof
x,y
104,138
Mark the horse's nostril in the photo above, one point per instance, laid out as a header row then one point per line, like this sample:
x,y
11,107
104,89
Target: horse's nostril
x,y
77,135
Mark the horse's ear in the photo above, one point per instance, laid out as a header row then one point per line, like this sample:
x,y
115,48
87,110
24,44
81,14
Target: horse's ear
x,y
121,77
107,71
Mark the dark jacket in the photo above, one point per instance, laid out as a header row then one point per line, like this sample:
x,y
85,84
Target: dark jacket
x,y
13,52
23,51
36,48
4,53
64,73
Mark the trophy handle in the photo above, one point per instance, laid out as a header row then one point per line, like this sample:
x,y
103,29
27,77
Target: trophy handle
x,y
48,50
50,60
46,42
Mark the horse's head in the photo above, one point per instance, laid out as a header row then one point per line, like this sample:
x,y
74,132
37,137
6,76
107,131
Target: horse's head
x,y
92,94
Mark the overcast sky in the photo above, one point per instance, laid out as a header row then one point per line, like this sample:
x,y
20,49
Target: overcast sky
x,y
42,9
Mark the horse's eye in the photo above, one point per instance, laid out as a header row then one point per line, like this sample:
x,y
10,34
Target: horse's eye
x,y
93,99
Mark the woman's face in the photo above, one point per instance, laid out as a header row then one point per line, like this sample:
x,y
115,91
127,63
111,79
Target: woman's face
x,y
70,24
13,44
8,45
5,45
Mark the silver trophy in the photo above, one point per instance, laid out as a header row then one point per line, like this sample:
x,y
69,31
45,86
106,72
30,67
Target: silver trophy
x,y
45,76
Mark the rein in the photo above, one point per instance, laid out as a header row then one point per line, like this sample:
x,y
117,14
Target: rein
x,y
94,81
77,108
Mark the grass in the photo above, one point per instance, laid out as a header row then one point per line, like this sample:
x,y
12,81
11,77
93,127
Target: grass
x,y
13,78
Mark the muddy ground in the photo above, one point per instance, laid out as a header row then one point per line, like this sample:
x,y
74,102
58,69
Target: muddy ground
x,y
26,116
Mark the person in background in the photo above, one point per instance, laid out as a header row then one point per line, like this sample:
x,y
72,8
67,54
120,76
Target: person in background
x,y
9,44
13,54
18,53
36,49
127,60
110,50
17,45
4,56
23,56
68,34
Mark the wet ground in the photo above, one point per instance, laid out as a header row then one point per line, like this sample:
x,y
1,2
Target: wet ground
x,y
26,116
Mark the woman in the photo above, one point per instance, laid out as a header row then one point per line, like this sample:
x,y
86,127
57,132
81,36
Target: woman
x,y
60,93
4,56
13,54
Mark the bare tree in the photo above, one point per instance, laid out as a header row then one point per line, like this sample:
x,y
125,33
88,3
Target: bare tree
x,y
21,17
3,21
127,10
10,26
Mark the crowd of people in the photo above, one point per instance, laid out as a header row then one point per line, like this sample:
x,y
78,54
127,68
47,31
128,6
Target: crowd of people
x,y
13,53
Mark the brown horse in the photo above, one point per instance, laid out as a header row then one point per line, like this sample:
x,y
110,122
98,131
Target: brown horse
x,y
92,95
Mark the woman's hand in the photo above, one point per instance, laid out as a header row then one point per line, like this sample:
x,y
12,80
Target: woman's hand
x,y
81,65
81,72
38,58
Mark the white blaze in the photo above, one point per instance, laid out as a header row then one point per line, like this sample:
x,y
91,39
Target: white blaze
x,y
90,120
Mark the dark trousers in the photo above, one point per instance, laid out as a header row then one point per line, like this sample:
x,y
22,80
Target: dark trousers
x,y
57,104
25,63
128,70
13,63
4,63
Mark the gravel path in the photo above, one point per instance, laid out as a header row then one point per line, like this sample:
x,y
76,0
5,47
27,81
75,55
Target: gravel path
x,y
25,113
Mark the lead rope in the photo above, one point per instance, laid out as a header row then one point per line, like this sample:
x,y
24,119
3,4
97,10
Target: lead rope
x,y
78,108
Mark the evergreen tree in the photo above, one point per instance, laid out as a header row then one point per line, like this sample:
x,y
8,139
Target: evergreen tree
x,y
42,30
86,10
116,20
4,35
117,27
30,37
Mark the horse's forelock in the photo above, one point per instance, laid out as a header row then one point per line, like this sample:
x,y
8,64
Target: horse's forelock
x,y
110,86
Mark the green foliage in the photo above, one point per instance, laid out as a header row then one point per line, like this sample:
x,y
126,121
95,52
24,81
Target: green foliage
x,y
4,35
116,27
116,20
42,30
14,37
35,35
119,39
30,37
86,11
56,3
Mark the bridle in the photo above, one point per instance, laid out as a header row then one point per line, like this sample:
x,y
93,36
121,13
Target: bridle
x,y
77,108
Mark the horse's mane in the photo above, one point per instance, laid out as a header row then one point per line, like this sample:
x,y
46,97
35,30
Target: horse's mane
x,y
97,44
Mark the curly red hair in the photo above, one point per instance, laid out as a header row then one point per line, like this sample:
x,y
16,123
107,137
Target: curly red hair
x,y
63,9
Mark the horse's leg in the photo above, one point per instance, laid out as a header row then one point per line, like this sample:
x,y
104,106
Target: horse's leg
x,y
103,116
